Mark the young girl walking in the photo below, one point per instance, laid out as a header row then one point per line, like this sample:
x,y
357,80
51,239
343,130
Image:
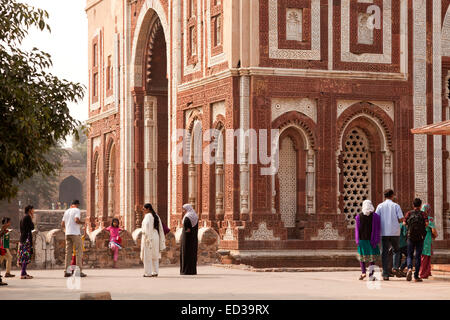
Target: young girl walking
x,y
115,242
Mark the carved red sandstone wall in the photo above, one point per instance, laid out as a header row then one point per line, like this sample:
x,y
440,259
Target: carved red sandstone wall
x,y
327,130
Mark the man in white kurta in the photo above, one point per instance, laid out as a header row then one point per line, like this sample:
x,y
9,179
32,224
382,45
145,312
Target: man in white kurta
x,y
152,244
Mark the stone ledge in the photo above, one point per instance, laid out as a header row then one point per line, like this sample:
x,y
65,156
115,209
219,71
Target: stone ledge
x,y
250,268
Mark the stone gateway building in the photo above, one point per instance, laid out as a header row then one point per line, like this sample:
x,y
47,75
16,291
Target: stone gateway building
x,y
343,82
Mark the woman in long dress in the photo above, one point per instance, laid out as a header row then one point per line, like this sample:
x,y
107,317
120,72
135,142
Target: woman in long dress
x,y
367,237
153,241
26,242
189,241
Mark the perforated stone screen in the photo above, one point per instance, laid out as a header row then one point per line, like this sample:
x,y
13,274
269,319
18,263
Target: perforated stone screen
x,y
287,174
356,173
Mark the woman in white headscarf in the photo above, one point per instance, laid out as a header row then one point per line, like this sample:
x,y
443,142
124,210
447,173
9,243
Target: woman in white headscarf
x,y
153,241
189,241
367,236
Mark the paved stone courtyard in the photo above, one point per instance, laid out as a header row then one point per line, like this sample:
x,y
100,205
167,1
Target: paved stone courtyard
x,y
222,284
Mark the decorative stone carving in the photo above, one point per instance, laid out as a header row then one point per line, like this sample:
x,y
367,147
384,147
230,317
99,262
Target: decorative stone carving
x,y
387,106
328,233
218,108
189,69
276,53
287,174
445,40
229,233
216,59
356,173
294,24
262,234
419,97
96,142
111,194
220,174
347,56
365,33
310,183
304,105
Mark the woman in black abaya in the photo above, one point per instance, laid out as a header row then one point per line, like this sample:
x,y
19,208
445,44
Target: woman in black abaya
x,y
189,241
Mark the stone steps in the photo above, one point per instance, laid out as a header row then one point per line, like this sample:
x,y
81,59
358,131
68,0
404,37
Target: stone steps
x,y
266,259
440,272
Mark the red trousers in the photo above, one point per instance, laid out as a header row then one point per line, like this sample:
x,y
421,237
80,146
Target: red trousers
x,y
425,267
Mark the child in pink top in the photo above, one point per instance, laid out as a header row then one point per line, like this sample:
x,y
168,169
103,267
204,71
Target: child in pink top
x,y
114,239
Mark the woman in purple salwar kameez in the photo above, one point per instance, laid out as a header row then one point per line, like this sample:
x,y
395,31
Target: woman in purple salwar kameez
x,y
368,236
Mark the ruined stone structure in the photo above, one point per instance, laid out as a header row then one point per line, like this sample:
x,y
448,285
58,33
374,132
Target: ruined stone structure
x,y
343,81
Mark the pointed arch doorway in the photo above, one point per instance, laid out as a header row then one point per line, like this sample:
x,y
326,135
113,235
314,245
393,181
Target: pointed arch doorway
x,y
156,120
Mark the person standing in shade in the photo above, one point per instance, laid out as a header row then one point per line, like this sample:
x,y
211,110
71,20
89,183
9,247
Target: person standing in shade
x,y
427,252
71,222
189,241
367,236
390,215
26,242
6,223
153,241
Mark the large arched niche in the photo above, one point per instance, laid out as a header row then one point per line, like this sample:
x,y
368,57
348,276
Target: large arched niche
x,y
150,13
149,87
294,185
364,158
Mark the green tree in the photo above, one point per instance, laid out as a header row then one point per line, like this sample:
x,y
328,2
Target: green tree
x,y
34,114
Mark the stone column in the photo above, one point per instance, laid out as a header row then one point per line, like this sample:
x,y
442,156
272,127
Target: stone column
x,y
219,176
419,96
138,97
192,176
150,146
310,183
387,170
96,188
111,194
243,152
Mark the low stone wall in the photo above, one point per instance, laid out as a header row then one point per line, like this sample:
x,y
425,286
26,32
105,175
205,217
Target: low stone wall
x,y
46,220
49,249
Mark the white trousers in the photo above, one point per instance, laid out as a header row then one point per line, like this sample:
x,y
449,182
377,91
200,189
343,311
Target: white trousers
x,y
151,267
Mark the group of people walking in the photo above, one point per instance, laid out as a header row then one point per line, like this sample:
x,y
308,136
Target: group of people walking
x,y
152,241
410,235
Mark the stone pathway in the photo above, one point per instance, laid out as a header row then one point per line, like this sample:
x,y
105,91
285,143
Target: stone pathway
x,y
221,284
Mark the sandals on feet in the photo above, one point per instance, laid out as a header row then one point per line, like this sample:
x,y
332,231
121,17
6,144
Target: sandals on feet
x,y
362,277
26,277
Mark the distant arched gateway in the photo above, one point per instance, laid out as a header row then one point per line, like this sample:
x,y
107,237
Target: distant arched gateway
x,y
69,190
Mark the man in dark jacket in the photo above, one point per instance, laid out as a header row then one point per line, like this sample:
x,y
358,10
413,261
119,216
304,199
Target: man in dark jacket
x,y
416,221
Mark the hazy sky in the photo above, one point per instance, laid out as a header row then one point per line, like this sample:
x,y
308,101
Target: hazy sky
x,y
66,44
